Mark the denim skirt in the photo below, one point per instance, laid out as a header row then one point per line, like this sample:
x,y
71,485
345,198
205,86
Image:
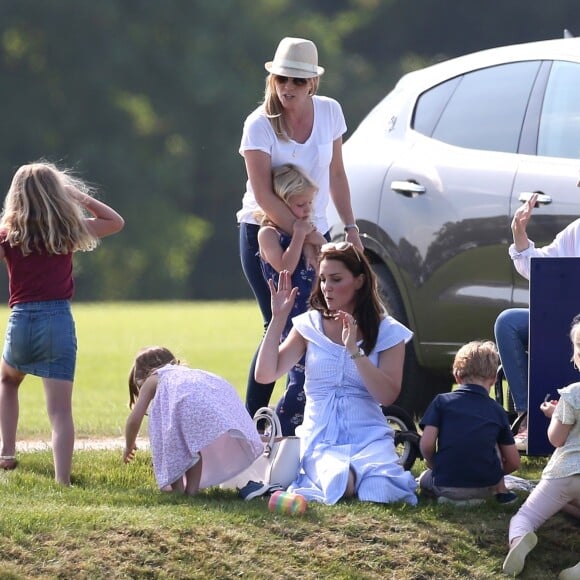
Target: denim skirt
x,y
41,339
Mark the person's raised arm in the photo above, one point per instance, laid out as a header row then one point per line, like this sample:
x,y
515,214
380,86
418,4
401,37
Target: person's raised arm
x,y
340,194
275,359
520,223
106,220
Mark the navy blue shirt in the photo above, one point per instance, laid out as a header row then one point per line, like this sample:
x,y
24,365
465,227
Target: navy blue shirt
x,y
470,425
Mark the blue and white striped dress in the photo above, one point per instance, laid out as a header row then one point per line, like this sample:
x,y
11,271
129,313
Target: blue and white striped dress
x,y
344,427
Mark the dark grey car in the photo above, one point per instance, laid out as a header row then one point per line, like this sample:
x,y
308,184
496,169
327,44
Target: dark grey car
x,y
436,171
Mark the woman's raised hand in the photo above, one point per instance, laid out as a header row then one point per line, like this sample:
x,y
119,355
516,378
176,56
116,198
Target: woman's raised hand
x,y
520,223
282,298
349,330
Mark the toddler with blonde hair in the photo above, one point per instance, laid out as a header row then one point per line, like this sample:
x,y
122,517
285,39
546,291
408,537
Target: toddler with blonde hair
x,y
467,442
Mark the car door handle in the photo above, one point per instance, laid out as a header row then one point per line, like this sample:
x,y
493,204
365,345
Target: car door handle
x,y
543,199
408,188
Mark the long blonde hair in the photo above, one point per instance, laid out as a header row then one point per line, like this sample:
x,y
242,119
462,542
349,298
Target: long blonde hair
x,y
273,106
41,215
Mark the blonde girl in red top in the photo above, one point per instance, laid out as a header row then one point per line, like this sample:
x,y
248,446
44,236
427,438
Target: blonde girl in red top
x,y
48,215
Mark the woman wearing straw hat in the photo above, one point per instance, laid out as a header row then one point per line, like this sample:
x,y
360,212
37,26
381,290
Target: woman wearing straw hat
x,y
292,125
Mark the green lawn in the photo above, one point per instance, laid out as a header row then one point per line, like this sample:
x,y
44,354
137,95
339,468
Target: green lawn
x,y
114,523
216,336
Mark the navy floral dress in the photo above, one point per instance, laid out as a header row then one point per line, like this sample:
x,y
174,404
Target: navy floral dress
x,y
290,407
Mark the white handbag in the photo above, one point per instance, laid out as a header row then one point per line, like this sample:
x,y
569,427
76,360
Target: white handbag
x,y
280,462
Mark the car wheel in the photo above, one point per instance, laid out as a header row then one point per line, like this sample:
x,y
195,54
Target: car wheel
x,y
419,384
406,436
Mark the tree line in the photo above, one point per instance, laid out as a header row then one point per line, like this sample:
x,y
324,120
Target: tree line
x,y
146,99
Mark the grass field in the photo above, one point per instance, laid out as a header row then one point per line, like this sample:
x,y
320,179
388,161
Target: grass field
x,y
114,523
216,336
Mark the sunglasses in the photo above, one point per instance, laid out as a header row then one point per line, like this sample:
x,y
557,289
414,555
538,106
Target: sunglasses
x,y
297,82
340,247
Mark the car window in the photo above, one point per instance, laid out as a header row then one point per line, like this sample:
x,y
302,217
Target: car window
x,y
430,104
484,109
559,134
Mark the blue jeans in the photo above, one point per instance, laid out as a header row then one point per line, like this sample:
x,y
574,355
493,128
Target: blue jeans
x,y
512,329
257,394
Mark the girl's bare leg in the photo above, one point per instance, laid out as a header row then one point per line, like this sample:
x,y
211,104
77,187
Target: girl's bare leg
x,y
178,485
192,478
59,406
10,380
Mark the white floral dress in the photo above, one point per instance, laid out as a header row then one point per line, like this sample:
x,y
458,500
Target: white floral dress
x,y
196,412
565,460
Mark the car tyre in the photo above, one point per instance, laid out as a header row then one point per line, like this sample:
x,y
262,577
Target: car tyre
x,y
406,436
419,385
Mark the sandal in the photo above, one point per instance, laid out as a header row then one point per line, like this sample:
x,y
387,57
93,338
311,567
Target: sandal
x,y
8,462
521,423
521,440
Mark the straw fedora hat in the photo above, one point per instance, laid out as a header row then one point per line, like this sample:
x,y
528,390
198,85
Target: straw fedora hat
x,y
296,58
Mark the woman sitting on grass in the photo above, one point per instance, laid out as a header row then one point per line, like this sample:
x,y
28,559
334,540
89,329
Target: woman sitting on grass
x,y
354,363
199,429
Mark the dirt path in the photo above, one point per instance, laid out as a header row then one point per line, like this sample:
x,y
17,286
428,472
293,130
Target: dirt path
x,y
81,444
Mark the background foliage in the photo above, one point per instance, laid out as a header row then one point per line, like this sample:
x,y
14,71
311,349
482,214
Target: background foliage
x,y
147,99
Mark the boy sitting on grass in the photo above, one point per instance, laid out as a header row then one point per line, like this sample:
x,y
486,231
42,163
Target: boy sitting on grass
x,y
467,442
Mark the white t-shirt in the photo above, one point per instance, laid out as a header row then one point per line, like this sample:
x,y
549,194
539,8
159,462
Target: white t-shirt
x,y
313,157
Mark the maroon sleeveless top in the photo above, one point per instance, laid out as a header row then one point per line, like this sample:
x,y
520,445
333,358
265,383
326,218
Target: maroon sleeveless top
x,y
37,277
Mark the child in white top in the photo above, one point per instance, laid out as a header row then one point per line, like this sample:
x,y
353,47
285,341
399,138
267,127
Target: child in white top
x,y
559,488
